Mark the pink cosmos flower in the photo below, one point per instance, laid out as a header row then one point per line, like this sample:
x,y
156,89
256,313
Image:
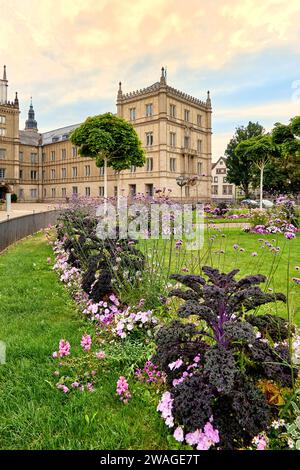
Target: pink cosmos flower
x,y
86,342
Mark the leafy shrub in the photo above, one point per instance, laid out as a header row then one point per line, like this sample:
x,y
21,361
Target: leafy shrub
x,y
221,357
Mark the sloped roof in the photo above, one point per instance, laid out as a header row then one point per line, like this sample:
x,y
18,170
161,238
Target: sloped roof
x,y
29,138
58,134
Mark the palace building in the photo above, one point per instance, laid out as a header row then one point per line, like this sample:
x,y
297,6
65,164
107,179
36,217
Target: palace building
x,y
174,128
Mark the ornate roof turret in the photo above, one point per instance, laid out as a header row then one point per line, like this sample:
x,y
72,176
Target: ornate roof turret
x,y
120,94
163,76
31,124
16,102
3,87
208,100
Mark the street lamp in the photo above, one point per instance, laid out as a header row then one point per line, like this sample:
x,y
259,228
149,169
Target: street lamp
x,y
181,181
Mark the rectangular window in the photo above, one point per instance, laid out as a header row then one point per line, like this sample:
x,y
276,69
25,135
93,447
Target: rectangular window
x,y
2,119
21,174
172,110
2,172
101,171
63,192
186,115
2,132
2,154
149,138
199,120
215,179
87,170
173,164
149,189
132,190
63,173
74,171
101,191
149,164
75,190
53,192
172,139
33,158
115,191
187,191
21,156
88,191
132,114
224,179
230,189
199,145
33,175
53,156
149,109
214,190
74,151
63,154
186,142
132,169
33,193
43,157
199,169
53,174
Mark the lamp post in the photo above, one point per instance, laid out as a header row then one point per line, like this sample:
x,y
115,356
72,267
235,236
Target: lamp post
x,y
181,181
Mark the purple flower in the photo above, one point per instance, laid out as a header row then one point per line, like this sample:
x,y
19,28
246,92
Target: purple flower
x,y
289,235
296,280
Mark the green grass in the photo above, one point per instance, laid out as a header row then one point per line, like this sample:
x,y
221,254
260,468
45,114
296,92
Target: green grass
x,y
35,312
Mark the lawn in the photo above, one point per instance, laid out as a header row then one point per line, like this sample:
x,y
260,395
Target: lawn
x,y
36,311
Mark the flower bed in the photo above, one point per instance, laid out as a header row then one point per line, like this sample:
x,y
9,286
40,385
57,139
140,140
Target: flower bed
x,y
222,378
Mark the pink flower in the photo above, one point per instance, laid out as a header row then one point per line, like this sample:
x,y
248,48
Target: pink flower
x,y
296,280
64,348
254,253
123,389
289,235
176,364
49,260
178,434
54,354
86,342
75,384
100,355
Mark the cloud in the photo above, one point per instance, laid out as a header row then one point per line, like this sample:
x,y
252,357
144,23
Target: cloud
x,y
66,52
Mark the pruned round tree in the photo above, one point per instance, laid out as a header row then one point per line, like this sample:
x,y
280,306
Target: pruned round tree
x,y
111,141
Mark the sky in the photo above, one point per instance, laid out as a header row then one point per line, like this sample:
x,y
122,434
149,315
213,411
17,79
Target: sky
x,y
69,55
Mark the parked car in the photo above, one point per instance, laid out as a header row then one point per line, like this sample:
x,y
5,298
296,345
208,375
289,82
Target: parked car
x,y
250,203
267,204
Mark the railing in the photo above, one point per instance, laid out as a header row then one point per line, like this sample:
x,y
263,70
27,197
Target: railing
x,y
15,229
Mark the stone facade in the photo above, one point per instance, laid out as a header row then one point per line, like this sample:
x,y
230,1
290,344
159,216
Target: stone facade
x,y
174,128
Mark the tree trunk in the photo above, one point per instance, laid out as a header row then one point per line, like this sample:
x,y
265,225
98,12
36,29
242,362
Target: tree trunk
x,y
105,182
262,167
118,191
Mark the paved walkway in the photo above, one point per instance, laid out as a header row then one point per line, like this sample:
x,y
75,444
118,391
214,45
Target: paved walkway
x,y
19,209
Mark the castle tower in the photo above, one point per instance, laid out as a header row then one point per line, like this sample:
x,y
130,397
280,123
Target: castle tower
x,y
3,87
31,124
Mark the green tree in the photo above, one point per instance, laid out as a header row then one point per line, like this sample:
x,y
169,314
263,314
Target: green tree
x,y
238,169
258,152
111,141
